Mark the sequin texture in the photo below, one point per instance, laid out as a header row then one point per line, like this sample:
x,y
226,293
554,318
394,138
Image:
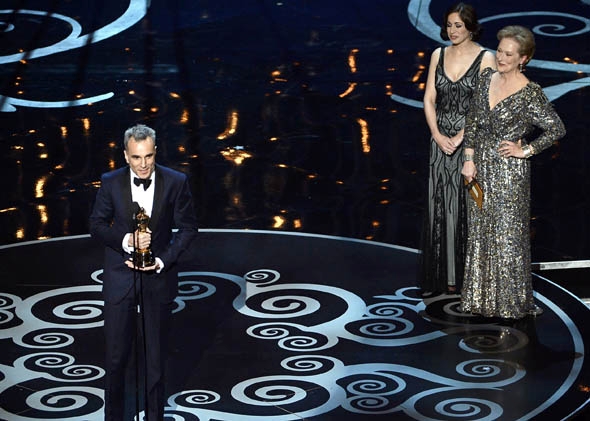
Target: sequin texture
x,y
498,260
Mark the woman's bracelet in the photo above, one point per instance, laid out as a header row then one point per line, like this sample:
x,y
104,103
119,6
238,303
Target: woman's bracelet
x,y
468,157
528,151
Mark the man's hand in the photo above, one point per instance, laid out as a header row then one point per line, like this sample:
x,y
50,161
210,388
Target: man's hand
x,y
140,239
131,265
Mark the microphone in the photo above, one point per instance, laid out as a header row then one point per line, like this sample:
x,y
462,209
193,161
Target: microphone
x,y
134,211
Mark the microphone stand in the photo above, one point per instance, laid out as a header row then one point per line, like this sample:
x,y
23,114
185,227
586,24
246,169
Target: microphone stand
x,y
139,307
144,343
137,310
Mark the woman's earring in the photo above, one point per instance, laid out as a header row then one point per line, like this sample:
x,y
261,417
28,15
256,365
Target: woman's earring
x,y
471,35
521,67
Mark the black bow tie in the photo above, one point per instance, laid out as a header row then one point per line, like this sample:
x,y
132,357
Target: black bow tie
x,y
145,181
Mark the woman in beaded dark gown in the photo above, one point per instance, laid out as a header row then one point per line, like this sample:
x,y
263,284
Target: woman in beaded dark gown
x,y
452,76
507,110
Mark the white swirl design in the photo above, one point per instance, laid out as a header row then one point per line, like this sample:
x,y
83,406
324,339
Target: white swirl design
x,y
368,404
374,386
465,407
352,355
307,363
189,290
261,392
486,368
290,337
74,315
95,276
81,310
262,276
419,16
385,309
63,399
386,328
8,303
193,398
541,29
291,305
61,365
135,11
49,340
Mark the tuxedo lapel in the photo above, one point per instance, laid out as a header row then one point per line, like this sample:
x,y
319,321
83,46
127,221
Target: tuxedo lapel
x,y
125,189
158,199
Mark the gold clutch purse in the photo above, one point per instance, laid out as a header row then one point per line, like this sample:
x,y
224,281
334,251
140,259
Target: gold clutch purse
x,y
475,191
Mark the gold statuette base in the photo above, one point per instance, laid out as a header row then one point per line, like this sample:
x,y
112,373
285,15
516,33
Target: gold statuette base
x,y
143,258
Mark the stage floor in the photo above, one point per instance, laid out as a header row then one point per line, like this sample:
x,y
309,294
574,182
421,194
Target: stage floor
x,y
290,326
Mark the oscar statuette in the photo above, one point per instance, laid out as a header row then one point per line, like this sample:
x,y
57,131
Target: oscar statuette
x,y
143,257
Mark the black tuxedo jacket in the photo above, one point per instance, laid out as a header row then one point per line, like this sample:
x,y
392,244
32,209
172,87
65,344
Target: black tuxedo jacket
x,y
113,216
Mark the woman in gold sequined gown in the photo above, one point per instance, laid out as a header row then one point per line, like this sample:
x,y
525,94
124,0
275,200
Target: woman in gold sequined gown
x,y
505,109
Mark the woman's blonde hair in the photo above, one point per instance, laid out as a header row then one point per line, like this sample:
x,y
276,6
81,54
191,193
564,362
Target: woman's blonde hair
x,y
523,36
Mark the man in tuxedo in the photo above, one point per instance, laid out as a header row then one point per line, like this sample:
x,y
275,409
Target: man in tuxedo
x,y
129,290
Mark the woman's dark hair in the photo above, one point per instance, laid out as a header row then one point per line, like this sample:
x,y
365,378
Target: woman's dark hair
x,y
468,16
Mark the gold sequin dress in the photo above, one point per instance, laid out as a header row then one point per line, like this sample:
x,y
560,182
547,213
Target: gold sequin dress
x,y
497,278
